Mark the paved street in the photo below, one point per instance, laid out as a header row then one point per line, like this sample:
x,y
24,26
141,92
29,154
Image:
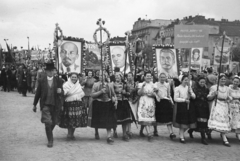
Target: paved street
x,y
22,138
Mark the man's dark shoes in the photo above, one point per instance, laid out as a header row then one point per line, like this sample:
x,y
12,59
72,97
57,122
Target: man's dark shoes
x,y
110,141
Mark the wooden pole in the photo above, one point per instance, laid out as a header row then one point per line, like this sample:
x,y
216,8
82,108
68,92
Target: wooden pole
x,y
219,70
189,73
101,55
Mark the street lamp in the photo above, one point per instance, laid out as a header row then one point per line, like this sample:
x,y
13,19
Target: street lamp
x,y
50,50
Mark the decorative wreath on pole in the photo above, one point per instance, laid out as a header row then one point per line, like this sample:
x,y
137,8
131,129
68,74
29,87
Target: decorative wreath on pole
x,y
101,44
56,36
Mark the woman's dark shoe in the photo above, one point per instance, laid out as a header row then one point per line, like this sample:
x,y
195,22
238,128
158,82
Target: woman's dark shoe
x,y
209,136
182,141
130,134
190,132
155,133
204,142
110,140
115,135
125,138
97,136
150,137
142,134
226,143
172,136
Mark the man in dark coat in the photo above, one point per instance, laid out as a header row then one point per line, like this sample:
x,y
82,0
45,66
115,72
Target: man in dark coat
x,y
18,75
23,79
50,93
6,78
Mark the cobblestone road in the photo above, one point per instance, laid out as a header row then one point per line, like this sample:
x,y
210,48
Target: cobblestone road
x,y
22,138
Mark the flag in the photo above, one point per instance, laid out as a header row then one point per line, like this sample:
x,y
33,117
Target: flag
x,y
8,57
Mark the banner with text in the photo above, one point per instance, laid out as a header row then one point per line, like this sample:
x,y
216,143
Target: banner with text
x,y
191,36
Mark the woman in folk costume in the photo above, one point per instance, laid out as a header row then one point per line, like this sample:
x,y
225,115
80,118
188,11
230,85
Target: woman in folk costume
x,y
74,114
87,99
146,106
164,104
133,99
219,115
234,92
185,115
202,108
103,107
123,111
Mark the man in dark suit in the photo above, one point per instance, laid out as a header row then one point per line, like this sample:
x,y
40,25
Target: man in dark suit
x,y
50,93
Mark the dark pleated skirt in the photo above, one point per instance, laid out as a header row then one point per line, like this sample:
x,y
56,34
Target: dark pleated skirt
x,y
103,115
73,115
202,115
123,112
185,118
164,112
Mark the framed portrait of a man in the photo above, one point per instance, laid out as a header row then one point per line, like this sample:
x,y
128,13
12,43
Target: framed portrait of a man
x,y
117,57
166,60
70,56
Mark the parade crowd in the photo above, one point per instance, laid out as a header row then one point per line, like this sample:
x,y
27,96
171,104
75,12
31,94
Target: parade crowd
x,y
193,102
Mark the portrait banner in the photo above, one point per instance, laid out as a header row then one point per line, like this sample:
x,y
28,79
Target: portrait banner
x,y
225,56
196,57
205,63
92,57
35,55
191,36
234,67
117,57
166,59
70,56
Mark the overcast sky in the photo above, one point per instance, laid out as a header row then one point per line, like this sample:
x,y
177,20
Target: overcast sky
x,y
77,18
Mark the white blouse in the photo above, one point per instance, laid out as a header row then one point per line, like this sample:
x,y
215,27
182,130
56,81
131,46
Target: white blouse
x,y
181,93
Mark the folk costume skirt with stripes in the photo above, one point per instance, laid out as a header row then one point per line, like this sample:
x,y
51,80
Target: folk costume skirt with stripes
x,y
123,112
73,115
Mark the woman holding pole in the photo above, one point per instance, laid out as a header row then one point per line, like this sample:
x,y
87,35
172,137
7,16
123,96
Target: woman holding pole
x,y
103,107
219,117
164,104
185,116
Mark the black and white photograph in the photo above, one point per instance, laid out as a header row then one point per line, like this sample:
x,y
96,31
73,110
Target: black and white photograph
x,y
119,80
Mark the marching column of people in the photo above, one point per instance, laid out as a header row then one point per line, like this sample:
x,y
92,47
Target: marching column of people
x,y
104,104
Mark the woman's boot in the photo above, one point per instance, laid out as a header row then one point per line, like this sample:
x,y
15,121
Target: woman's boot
x,y
203,138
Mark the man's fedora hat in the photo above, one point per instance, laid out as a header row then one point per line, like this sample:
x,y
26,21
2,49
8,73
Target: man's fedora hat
x,y
49,64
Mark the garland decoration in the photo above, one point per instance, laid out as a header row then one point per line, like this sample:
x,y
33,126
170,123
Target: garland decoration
x,y
101,44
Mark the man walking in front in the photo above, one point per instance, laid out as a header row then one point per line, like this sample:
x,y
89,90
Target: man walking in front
x,y
50,92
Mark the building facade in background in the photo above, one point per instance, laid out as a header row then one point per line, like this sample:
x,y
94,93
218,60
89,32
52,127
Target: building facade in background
x,y
147,29
165,35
